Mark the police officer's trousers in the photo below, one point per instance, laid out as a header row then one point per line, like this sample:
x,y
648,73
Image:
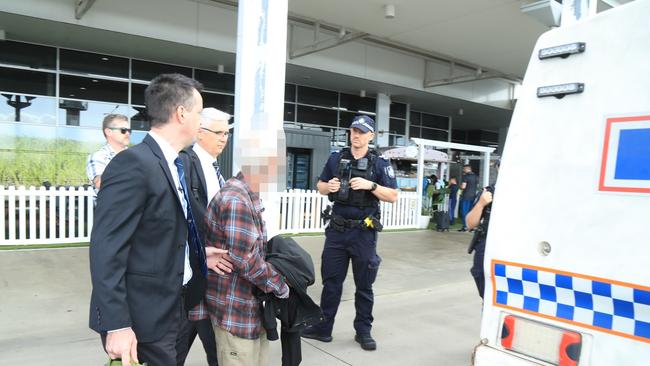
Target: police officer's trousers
x,y
477,270
359,246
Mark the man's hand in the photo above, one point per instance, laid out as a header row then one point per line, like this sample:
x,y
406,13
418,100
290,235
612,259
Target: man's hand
x,y
97,181
122,344
218,260
333,185
486,198
358,183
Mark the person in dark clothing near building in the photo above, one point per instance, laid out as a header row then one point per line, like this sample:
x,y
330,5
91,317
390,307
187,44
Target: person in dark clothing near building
x,y
356,179
479,218
468,185
453,198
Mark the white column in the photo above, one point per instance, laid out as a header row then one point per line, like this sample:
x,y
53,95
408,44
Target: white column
x,y
574,10
259,98
420,187
382,119
485,169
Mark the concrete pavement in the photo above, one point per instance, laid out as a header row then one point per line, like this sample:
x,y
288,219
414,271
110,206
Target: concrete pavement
x,y
427,311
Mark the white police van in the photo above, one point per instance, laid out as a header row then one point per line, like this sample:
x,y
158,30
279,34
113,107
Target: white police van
x,y
568,250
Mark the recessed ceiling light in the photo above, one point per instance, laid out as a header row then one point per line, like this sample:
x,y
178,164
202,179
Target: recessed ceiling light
x,y
72,95
104,58
95,81
82,88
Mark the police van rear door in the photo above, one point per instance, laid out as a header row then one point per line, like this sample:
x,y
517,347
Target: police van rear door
x,y
567,259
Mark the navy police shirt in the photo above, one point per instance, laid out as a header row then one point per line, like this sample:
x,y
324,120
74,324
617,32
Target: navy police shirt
x,y
383,175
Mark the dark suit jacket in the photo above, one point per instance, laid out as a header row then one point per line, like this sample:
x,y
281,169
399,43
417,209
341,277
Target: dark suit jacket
x,y
137,246
195,180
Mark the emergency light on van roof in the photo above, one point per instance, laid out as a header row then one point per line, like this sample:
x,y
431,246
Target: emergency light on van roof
x,y
563,51
559,91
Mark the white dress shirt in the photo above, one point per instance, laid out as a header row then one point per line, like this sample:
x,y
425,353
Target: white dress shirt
x,y
171,155
211,179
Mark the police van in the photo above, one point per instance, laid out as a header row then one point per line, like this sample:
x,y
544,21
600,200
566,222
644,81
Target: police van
x,y
568,249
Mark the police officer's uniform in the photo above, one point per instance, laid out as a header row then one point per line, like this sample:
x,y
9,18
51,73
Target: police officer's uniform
x,y
352,235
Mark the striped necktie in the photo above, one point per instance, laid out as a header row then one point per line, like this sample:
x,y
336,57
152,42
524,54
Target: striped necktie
x,y
222,181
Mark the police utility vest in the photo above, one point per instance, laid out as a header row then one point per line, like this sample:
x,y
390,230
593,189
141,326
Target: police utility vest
x,y
349,168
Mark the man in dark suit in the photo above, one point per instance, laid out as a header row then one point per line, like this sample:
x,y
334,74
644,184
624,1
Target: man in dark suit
x,y
204,180
145,258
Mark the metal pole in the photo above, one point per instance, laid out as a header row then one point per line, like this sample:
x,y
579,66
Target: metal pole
x,y
420,187
259,140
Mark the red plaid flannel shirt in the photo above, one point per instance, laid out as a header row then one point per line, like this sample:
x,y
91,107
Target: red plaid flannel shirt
x,y
234,222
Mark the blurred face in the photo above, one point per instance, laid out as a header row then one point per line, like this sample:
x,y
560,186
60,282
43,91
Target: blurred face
x,y
114,134
191,118
360,139
213,137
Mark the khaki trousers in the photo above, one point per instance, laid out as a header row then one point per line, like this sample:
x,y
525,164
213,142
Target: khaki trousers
x,y
235,351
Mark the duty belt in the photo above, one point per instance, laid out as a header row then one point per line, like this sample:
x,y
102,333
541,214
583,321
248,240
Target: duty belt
x,y
339,223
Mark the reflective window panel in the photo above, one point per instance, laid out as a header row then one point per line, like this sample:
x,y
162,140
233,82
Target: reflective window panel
x,y
93,89
93,63
27,82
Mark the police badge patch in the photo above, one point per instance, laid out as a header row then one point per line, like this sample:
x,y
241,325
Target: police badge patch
x,y
389,171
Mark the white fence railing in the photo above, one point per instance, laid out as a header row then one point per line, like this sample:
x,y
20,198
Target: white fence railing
x,y
300,211
45,216
65,215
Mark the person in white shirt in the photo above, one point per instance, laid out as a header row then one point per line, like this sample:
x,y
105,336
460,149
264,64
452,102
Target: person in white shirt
x,y
117,131
204,180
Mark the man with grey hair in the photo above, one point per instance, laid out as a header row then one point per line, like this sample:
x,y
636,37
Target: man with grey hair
x,y
204,180
117,132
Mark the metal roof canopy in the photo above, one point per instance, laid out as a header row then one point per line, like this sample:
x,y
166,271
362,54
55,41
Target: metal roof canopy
x,y
421,143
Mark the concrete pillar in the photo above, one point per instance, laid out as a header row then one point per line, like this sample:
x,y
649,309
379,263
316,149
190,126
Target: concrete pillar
x,y
383,119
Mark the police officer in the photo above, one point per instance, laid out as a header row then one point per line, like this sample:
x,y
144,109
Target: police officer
x,y
479,218
355,179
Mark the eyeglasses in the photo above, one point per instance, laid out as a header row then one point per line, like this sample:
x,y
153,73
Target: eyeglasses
x,y
124,130
218,133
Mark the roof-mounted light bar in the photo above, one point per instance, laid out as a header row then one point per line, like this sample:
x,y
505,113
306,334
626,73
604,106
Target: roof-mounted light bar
x,y
562,51
559,91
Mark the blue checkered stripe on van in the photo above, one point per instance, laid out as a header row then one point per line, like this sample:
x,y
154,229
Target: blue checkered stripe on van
x,y
614,308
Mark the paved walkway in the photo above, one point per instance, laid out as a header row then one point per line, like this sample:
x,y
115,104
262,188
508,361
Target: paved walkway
x,y
426,313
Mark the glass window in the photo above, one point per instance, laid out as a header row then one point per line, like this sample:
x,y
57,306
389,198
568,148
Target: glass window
x,y
93,63
146,70
397,126
319,97
431,134
398,110
414,131
289,93
139,120
225,103
89,114
489,136
396,140
317,116
415,118
357,103
137,93
289,112
93,89
30,55
345,118
430,120
27,81
27,109
214,81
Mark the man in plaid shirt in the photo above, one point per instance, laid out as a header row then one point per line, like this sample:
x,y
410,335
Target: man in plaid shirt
x,y
234,222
